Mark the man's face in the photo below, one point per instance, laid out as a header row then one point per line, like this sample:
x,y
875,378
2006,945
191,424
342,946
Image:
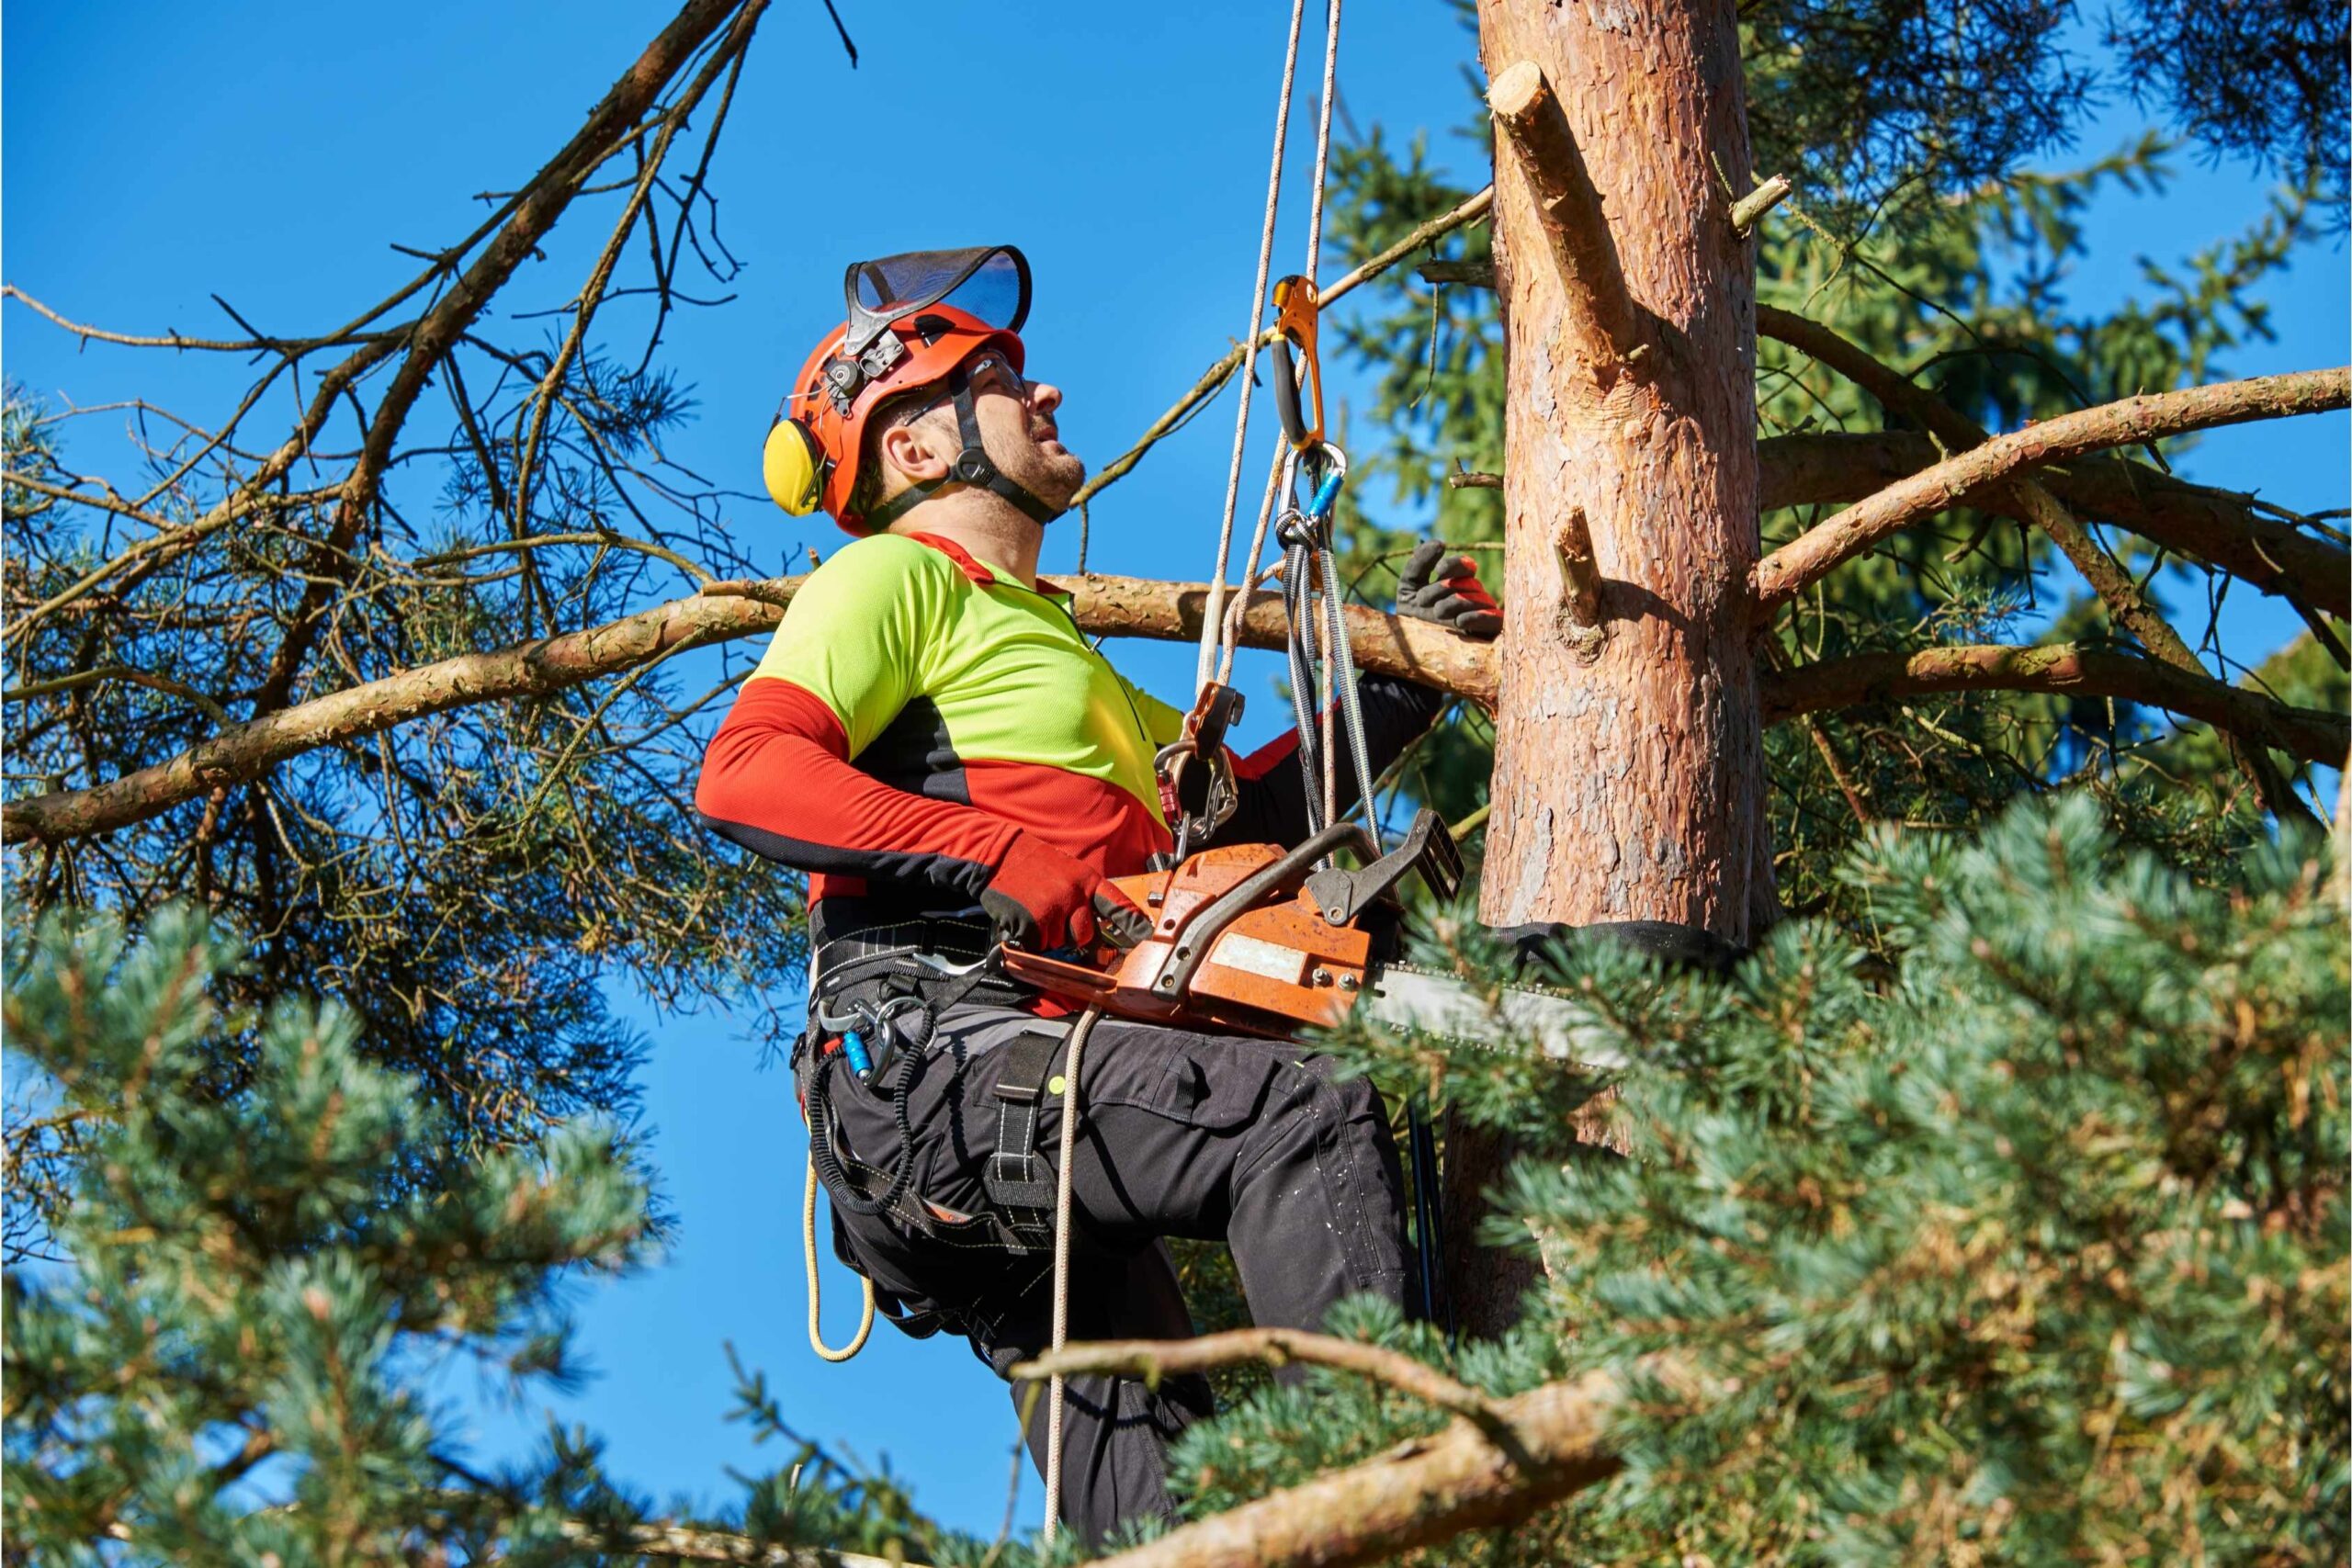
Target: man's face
x,y
1016,421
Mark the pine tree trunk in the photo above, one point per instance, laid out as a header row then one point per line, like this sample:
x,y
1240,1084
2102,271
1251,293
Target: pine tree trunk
x,y
1628,773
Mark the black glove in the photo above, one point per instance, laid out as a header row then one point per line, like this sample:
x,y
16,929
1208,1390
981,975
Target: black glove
x,y
1447,590
1041,898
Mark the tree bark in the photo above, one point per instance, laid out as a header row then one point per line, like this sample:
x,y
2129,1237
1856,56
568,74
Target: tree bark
x,y
1629,780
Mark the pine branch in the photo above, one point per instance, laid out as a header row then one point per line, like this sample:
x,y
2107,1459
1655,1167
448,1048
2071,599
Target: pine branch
x,y
2217,527
2062,668
2127,606
541,202
1796,566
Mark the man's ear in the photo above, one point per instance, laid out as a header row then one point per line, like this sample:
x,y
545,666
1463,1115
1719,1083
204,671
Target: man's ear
x,y
911,450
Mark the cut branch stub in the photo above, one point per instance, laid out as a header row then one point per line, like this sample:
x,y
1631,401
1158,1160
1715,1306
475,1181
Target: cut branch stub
x,y
1749,208
1601,312
1579,618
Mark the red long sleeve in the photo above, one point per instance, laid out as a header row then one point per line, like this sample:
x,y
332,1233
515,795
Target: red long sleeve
x,y
777,781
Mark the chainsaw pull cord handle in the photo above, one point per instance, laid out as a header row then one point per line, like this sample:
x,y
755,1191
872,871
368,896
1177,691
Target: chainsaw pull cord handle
x,y
1057,1394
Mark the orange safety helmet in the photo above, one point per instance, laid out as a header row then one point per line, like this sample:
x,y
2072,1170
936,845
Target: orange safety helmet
x,y
915,321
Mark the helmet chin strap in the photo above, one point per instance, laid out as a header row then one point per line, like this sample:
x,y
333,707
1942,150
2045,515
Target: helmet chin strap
x,y
973,465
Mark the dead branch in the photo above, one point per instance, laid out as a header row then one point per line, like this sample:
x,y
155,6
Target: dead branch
x,y
1796,566
1579,573
2065,668
541,202
1601,311
1749,209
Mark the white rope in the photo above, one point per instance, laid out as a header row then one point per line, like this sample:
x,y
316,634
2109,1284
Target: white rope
x,y
1322,146
1277,484
1278,480
1055,1391
809,1253
1250,351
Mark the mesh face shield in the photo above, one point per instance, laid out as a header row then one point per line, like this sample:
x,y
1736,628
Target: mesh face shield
x,y
991,282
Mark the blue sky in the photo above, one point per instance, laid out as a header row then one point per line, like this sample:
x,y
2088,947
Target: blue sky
x,y
151,154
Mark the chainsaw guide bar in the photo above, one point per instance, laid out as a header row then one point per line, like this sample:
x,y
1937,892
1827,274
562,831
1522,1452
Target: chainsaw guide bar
x,y
1254,940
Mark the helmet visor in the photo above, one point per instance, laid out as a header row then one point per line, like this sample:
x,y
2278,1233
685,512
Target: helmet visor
x,y
989,281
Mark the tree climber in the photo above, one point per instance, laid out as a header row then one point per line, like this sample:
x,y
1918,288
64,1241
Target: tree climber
x,y
932,741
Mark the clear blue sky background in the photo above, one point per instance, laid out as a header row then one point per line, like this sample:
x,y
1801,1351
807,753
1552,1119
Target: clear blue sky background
x,y
151,154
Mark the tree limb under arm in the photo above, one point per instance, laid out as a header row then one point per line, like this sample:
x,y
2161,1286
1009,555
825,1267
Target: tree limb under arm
x,y
1796,566
1112,606
1107,606
2213,525
2064,668
1154,1359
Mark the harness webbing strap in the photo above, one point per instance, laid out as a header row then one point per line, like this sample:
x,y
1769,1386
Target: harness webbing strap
x,y
1016,1179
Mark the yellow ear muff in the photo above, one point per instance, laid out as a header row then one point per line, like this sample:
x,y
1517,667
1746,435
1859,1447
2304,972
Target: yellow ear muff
x,y
794,467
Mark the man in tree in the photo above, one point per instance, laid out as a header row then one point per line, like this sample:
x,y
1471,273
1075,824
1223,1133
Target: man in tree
x,y
934,741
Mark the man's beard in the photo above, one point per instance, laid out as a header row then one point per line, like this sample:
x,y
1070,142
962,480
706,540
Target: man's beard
x,y
1052,479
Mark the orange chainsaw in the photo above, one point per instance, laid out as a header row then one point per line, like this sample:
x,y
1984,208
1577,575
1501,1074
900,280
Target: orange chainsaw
x,y
1253,938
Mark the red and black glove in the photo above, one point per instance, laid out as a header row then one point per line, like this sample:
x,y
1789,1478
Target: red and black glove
x,y
1447,591
1041,898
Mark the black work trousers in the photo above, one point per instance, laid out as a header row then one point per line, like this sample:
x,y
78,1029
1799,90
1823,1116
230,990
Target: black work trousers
x,y
1179,1134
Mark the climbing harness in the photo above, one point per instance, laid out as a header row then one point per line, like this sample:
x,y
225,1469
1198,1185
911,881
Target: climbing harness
x,y
876,1004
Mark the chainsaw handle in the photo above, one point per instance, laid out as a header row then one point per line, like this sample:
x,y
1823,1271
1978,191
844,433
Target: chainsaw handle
x,y
1287,875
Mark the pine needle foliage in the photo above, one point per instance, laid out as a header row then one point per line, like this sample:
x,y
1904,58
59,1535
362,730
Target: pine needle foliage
x,y
234,1363
2008,1229
256,1274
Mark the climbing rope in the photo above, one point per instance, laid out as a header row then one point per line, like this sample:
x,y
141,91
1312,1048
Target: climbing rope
x,y
1249,338
809,1253
1312,602
1055,1391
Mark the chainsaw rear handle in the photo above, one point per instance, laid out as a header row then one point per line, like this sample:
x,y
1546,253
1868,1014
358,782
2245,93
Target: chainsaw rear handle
x,y
1275,880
